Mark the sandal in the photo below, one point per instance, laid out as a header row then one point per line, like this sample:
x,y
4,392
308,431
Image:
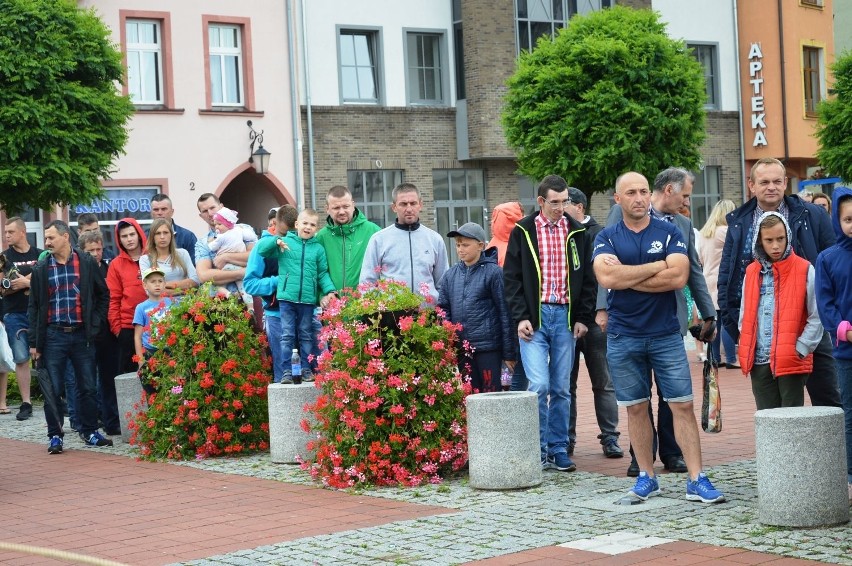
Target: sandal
x,y
5,411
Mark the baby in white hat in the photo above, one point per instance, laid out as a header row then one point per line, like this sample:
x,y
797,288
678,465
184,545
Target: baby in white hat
x,y
229,239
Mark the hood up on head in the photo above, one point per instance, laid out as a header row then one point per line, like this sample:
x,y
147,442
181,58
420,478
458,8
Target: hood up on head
x,y
838,194
757,248
503,219
123,223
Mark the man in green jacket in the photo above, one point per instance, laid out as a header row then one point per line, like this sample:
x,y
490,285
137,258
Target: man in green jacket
x,y
345,237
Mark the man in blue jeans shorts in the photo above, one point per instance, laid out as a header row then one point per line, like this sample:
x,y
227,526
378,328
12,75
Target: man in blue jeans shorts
x,y
20,258
642,261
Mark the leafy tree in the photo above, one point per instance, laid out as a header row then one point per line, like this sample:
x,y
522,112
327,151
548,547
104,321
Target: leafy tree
x,y
611,93
834,128
62,122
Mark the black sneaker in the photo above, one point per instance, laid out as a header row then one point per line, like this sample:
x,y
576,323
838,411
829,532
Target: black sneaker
x,y
55,446
25,412
96,439
307,377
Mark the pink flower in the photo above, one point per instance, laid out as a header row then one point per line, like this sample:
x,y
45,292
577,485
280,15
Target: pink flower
x,y
405,323
397,409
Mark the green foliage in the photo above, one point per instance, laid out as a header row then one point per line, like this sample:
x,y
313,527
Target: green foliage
x,y
834,128
63,122
611,93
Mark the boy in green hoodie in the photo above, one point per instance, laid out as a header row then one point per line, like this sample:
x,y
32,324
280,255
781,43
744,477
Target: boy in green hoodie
x,y
302,270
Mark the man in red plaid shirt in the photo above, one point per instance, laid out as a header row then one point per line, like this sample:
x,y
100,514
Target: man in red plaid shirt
x,y
550,291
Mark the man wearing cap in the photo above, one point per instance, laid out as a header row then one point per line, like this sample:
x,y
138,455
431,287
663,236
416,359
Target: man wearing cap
x,y
471,294
407,251
344,237
672,189
593,348
550,292
68,302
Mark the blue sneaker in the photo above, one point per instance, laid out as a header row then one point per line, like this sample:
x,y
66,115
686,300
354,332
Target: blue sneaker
x,y
562,462
55,446
702,490
96,439
645,487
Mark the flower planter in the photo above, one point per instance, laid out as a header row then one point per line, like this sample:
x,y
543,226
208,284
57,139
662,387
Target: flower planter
x,y
391,410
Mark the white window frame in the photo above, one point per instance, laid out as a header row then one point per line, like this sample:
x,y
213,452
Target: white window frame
x,y
136,51
218,55
374,43
440,69
378,211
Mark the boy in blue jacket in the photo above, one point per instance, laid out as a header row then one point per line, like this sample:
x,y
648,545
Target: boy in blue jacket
x,y
471,293
834,301
302,271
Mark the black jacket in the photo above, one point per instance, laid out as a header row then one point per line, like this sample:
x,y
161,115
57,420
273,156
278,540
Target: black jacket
x,y
811,233
93,293
473,296
522,274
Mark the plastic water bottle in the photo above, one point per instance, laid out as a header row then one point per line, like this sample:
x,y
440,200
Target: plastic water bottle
x,y
296,366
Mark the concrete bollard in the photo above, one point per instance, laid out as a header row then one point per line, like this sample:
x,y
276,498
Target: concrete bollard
x,y
502,440
128,392
801,466
287,440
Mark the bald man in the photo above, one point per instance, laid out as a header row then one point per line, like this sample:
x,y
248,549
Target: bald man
x,y
643,261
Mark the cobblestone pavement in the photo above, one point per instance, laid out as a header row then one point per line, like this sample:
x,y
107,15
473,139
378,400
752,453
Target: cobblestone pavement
x,y
564,508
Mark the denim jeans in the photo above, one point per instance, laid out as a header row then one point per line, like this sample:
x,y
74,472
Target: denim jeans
x,y
548,358
272,327
844,376
297,331
631,360
60,348
723,339
64,385
593,347
17,331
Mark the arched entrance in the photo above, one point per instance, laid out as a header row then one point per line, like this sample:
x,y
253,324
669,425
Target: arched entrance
x,y
252,195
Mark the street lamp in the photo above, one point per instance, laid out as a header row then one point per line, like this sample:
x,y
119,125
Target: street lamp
x,y
259,157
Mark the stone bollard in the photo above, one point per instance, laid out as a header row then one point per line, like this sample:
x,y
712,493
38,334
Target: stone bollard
x,y
801,466
502,440
286,411
128,392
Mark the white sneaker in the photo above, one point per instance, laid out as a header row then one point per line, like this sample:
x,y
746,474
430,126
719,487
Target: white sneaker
x,y
702,357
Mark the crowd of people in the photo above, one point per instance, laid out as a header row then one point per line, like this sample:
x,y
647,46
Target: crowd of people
x,y
547,287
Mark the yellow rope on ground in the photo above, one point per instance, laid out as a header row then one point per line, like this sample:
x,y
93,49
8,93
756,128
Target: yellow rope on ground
x,y
58,554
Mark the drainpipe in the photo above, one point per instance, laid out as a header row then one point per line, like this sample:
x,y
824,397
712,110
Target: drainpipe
x,y
783,80
303,8
743,184
294,107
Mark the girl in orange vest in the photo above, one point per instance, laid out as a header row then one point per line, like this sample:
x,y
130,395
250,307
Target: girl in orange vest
x,y
779,322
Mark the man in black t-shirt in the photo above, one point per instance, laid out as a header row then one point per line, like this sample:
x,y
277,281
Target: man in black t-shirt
x,y
20,257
